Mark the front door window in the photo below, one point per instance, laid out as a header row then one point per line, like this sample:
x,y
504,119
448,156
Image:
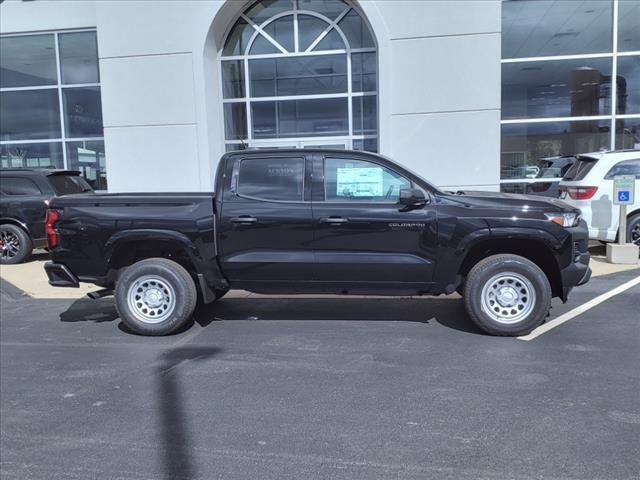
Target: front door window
x,y
348,180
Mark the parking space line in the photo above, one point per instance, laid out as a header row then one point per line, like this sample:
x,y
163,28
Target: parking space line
x,y
565,317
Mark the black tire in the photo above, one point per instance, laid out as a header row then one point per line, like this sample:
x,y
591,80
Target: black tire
x,y
15,244
165,283
633,229
484,272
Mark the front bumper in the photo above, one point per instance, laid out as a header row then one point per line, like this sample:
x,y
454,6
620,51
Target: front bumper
x,y
577,272
60,276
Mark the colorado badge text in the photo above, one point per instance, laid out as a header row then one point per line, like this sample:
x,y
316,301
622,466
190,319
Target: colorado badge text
x,y
406,226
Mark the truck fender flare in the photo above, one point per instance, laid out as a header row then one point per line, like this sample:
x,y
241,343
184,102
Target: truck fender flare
x,y
506,233
119,238
208,274
535,234
471,239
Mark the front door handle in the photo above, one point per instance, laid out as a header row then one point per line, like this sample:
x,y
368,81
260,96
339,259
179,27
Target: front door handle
x,y
334,220
244,220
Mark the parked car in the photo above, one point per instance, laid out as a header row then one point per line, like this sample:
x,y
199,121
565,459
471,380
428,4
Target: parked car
x,y
318,221
588,185
551,173
24,196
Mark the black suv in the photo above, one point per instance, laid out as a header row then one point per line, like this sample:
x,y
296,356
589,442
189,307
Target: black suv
x,y
24,197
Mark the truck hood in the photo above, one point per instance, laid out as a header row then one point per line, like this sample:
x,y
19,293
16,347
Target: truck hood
x,y
511,202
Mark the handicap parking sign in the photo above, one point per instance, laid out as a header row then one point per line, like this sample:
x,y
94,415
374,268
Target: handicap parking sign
x,y
623,189
623,196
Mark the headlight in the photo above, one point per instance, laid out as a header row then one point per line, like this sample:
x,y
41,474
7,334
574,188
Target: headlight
x,y
564,219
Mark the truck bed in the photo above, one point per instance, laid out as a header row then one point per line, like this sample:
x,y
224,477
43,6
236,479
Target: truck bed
x,y
93,229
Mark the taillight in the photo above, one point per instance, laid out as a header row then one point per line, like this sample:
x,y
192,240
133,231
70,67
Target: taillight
x,y
52,236
580,193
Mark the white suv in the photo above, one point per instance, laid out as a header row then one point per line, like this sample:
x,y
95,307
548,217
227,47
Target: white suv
x,y
588,185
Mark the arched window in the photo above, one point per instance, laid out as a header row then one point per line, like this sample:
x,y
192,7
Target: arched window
x,y
300,73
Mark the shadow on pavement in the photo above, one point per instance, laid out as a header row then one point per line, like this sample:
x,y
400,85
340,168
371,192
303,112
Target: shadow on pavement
x,y
172,418
448,312
99,311
87,310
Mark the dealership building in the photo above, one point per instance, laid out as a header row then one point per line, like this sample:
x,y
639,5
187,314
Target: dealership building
x,y
471,94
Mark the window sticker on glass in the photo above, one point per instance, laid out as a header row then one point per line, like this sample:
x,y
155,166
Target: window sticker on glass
x,y
359,182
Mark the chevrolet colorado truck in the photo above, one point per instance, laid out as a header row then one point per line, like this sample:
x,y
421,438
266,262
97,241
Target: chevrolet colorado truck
x,y
318,221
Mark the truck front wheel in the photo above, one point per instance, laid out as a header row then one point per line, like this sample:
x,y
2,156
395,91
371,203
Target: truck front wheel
x,y
155,296
507,295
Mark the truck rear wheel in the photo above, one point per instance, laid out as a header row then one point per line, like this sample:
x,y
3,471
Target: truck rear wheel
x,y
507,295
155,296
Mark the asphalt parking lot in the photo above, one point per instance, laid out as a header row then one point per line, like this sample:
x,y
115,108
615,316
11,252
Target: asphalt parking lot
x,y
317,388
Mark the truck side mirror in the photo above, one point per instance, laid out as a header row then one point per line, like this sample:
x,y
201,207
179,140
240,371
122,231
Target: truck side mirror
x,y
412,198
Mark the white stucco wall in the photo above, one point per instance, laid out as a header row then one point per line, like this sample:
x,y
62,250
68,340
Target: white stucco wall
x,y
439,85
442,60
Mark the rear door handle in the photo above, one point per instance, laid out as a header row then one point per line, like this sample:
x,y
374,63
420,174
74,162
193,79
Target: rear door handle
x,y
244,220
334,220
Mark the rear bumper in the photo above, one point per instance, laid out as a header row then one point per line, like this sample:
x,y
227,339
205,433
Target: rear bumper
x,y
60,276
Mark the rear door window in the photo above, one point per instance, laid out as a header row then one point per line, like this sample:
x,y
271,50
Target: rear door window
x,y
279,179
580,168
17,186
68,184
627,167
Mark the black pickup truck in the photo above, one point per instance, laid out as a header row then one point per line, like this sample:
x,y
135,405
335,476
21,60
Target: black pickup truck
x,y
318,221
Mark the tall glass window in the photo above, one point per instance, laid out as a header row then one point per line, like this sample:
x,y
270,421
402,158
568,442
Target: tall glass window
x,y
300,73
50,104
559,97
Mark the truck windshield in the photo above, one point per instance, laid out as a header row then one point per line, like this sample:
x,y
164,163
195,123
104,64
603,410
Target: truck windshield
x,y
580,168
68,184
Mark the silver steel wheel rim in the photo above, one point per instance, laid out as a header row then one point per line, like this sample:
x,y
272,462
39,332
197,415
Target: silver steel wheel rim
x,y
151,299
635,234
508,297
9,245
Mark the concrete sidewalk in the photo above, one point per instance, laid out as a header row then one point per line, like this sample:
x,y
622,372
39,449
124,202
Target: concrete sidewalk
x,y
31,279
